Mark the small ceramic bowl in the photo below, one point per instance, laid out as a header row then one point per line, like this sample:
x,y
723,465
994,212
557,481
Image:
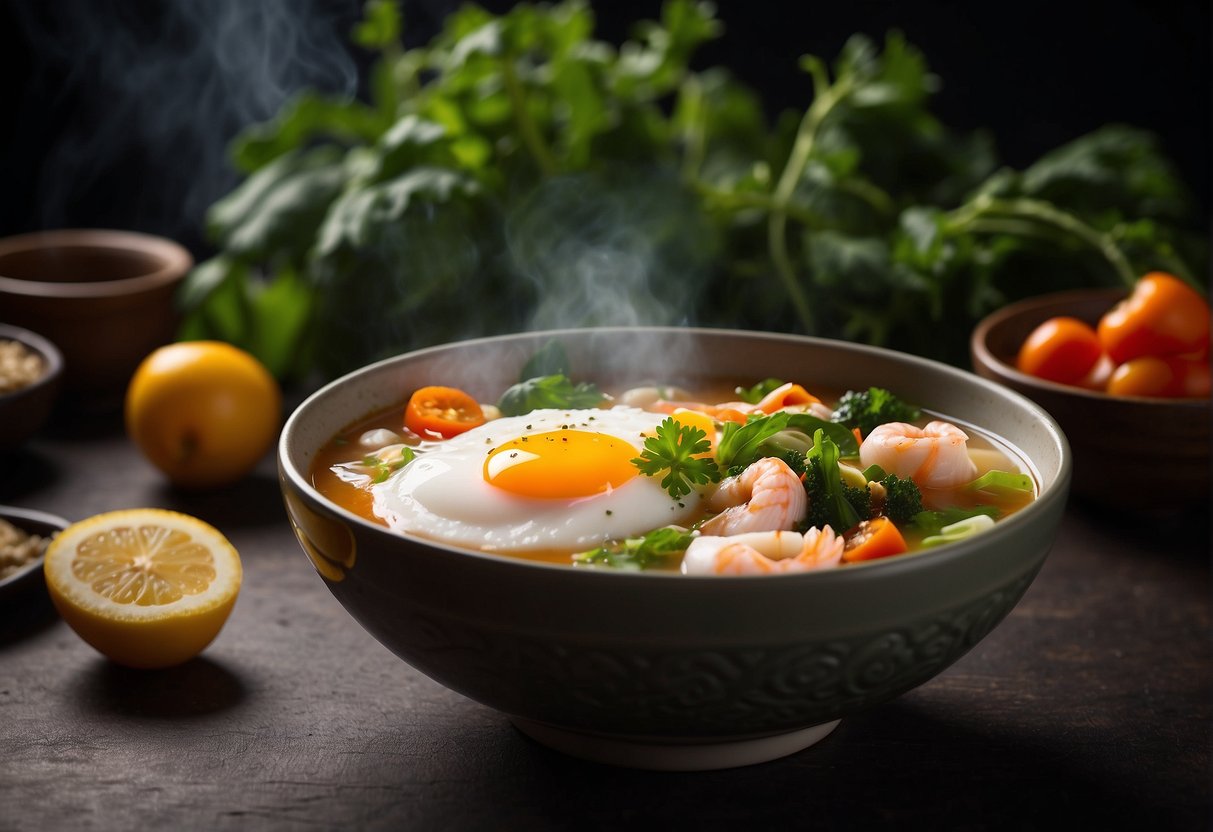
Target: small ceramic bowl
x,y
104,298
1130,453
29,576
661,670
24,411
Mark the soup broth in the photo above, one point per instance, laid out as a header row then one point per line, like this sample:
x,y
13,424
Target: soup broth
x,y
365,459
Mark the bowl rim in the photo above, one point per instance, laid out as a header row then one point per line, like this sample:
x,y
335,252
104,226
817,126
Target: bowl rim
x,y
1056,492
16,514
175,262
981,352
41,345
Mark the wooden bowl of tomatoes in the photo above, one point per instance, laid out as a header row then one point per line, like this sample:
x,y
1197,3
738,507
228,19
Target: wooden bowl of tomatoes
x,y
1137,422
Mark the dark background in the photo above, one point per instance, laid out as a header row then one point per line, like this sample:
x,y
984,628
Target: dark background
x,y
116,115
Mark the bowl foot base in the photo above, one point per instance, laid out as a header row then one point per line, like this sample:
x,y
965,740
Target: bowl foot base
x,y
672,755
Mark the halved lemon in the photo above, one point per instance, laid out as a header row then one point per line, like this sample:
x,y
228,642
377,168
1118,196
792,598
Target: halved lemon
x,y
145,587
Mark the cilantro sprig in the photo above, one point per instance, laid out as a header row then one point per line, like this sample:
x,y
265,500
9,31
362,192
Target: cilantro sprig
x,y
675,450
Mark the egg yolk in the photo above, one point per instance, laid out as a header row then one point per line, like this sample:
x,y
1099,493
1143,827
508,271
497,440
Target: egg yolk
x,y
697,420
560,463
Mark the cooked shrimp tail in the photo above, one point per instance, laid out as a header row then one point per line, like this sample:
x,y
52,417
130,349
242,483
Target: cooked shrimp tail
x,y
934,456
764,553
765,497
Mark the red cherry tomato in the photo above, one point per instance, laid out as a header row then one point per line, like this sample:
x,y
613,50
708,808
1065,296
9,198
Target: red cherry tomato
x,y
1163,316
442,411
1061,349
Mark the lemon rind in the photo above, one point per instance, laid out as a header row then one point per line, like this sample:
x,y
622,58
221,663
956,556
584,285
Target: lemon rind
x,y
221,591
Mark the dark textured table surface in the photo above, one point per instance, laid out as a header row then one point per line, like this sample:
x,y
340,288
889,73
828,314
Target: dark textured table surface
x,y
1090,703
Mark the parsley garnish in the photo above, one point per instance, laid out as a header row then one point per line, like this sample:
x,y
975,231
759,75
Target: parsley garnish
x,y
674,449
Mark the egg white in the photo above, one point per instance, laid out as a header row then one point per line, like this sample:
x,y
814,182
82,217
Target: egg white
x,y
442,494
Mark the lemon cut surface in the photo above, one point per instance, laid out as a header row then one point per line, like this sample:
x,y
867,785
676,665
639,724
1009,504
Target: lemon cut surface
x,y
145,587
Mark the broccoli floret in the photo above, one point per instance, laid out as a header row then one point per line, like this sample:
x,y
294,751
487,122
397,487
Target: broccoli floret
x,y
794,459
818,513
902,499
872,407
823,507
860,499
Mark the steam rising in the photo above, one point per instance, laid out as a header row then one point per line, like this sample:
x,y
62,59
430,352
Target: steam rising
x,y
150,96
609,250
159,89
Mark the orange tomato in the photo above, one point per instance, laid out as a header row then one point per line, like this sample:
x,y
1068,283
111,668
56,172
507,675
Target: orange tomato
x,y
871,539
1163,316
1146,376
442,412
203,412
1061,349
1195,377
1165,377
1097,379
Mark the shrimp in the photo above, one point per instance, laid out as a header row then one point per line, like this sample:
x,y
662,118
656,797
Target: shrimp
x,y
764,553
934,456
765,497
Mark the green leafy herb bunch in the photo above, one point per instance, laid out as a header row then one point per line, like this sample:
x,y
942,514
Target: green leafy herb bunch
x,y
516,171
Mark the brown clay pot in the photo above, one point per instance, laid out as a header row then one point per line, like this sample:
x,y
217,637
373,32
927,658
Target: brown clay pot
x,y
105,298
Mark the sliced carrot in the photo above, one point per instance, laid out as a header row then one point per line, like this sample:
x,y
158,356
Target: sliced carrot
x,y
731,414
872,539
442,412
727,412
784,396
858,435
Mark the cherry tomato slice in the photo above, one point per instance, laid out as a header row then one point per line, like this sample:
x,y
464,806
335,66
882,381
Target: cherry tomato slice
x,y
1061,349
871,539
1163,316
442,412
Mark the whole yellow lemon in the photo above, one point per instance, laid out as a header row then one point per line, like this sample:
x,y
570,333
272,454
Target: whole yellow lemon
x,y
203,412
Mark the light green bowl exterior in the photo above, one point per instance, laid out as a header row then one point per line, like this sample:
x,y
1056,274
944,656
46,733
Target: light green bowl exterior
x,y
663,655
